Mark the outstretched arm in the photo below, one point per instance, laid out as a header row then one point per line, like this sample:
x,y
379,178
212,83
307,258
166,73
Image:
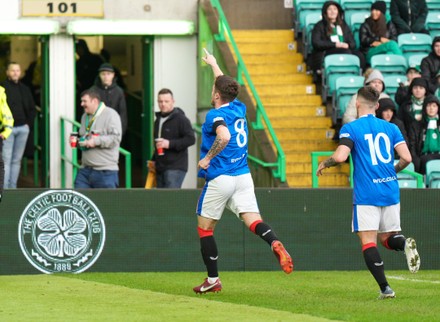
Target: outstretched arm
x,y
211,61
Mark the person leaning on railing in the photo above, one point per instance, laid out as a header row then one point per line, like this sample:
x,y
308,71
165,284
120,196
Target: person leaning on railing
x,y
6,124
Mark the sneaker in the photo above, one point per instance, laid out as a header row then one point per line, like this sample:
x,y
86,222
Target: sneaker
x,y
283,256
412,256
387,294
206,287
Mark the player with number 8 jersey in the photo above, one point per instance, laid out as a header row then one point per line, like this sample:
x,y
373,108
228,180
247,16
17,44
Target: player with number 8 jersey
x,y
233,159
228,182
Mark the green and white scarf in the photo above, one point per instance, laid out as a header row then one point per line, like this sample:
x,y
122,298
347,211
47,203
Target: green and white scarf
x,y
416,108
432,139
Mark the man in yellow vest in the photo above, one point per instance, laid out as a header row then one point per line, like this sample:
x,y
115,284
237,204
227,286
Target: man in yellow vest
x,y
6,124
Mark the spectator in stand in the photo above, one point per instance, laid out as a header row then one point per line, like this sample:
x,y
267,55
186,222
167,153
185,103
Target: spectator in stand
x,y
87,67
332,35
111,94
373,78
411,109
21,103
105,55
424,136
402,91
409,16
387,111
430,65
376,35
6,125
437,91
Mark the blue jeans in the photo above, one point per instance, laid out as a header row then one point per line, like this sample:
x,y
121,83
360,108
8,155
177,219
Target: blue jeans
x,y
13,149
170,179
88,178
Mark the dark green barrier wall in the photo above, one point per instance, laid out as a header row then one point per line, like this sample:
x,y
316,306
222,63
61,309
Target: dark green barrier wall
x,y
150,230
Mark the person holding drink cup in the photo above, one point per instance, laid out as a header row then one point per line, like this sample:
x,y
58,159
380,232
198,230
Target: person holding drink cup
x,y
99,138
173,135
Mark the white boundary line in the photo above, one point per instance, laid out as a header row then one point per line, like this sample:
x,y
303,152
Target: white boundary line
x,y
401,278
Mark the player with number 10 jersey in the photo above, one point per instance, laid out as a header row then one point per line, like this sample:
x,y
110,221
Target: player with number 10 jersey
x,y
374,141
232,160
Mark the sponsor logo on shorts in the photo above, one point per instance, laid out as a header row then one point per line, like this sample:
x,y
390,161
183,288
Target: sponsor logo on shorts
x,y
61,231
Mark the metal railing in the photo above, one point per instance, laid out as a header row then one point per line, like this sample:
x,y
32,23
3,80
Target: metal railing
x,y
74,160
280,165
315,162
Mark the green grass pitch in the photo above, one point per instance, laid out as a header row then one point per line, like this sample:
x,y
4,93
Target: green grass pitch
x,y
246,296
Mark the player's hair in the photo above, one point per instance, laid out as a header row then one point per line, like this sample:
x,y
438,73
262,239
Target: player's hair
x,y
227,87
368,95
165,91
92,93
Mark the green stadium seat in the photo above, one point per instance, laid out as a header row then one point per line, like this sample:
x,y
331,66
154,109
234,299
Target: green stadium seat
x,y
414,43
406,180
415,60
433,5
392,83
311,19
356,4
355,21
433,22
433,174
302,9
336,66
389,64
345,88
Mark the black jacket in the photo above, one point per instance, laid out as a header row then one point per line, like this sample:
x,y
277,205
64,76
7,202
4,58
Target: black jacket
x,y
430,66
20,102
409,19
367,37
178,130
113,96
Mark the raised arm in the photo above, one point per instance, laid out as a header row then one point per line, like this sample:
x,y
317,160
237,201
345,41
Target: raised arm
x,y
211,61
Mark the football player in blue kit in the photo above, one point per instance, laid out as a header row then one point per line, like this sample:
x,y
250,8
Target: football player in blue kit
x,y
376,196
223,165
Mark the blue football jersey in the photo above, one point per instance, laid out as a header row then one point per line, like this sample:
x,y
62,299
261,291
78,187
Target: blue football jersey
x,y
375,180
233,159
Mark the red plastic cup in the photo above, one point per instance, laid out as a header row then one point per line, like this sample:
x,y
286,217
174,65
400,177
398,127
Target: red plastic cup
x,y
159,150
74,139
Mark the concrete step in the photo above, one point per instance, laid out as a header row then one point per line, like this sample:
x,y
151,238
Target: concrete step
x,y
291,100
263,35
296,146
271,69
329,180
294,79
287,89
306,168
304,134
287,48
265,59
294,122
289,110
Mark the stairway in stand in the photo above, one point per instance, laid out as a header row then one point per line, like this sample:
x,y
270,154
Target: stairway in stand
x,y
290,100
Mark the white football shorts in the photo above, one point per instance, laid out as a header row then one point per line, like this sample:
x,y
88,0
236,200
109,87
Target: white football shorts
x,y
234,192
381,219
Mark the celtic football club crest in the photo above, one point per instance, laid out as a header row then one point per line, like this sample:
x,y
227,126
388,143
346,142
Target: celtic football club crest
x,y
61,231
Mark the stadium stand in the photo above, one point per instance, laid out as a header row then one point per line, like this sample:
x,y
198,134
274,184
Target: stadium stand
x,y
345,88
433,22
302,9
415,60
414,43
336,66
311,19
355,20
392,83
433,174
389,64
433,5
